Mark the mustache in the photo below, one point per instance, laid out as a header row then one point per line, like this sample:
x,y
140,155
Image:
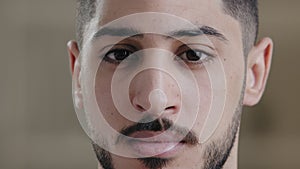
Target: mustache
x,y
160,125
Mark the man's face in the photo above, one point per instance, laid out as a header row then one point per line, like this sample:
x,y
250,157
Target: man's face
x,y
171,95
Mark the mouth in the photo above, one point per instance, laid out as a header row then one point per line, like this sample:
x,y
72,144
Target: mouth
x,y
157,144
159,138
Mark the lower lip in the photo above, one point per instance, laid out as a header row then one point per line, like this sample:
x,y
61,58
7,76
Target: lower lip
x,y
157,149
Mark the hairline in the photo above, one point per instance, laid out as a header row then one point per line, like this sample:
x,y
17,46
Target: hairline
x,y
249,33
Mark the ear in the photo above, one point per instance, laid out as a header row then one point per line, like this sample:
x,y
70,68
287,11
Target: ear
x,y
258,68
75,68
73,52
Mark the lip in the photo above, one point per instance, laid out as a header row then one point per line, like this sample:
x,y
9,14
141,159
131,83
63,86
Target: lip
x,y
156,144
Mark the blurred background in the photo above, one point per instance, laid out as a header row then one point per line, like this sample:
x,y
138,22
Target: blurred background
x,y
39,128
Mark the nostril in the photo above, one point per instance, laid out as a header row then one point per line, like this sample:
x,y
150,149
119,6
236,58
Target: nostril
x,y
170,108
140,108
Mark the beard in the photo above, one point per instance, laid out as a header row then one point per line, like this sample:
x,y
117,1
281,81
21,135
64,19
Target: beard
x,y
160,125
218,151
105,159
215,154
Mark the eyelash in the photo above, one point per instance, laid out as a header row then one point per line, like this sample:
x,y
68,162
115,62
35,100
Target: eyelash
x,y
116,61
200,60
207,56
130,50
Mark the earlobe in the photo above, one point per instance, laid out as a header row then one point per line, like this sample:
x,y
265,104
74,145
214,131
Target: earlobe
x,y
75,68
258,68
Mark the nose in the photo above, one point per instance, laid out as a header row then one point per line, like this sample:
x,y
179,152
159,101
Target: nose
x,y
156,93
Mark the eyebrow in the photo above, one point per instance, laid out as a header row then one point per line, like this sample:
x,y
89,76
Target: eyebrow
x,y
124,32
131,32
204,30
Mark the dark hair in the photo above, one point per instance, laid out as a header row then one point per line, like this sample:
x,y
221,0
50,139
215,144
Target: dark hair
x,y
86,10
245,11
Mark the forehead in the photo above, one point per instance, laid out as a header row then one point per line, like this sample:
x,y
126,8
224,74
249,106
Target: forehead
x,y
190,9
198,12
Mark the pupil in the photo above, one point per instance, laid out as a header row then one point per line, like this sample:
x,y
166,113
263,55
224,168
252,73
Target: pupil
x,y
121,54
192,55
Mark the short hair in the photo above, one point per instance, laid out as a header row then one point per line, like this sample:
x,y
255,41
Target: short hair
x,y
245,11
86,10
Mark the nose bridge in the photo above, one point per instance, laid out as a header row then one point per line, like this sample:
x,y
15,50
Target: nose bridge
x,y
153,79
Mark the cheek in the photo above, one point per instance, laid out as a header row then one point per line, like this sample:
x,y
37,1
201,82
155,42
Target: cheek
x,y
234,69
105,101
205,94
205,90
220,85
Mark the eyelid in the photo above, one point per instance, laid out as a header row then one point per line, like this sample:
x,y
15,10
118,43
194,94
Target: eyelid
x,y
123,46
198,44
196,47
117,47
112,47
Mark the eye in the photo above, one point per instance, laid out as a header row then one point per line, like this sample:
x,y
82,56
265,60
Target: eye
x,y
117,55
194,56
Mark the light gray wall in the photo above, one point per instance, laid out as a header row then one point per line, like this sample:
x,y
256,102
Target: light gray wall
x,y
38,126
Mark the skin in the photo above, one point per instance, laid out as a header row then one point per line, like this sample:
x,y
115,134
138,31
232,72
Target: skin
x,y
245,77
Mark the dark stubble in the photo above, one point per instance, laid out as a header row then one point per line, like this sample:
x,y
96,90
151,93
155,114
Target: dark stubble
x,y
215,154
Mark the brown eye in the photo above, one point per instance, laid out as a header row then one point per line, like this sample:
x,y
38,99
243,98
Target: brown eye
x,y
194,56
118,54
